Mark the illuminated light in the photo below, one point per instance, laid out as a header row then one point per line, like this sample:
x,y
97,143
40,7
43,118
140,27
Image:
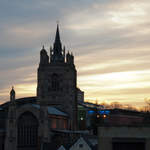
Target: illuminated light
x,y
104,112
101,112
98,116
90,112
81,118
107,112
104,116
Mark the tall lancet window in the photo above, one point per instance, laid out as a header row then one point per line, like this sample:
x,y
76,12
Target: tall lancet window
x,y
55,82
27,134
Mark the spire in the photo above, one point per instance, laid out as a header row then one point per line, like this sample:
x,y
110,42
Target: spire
x,y
12,90
57,37
57,55
12,94
57,43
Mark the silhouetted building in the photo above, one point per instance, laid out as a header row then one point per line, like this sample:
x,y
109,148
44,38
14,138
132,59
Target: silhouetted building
x,y
25,123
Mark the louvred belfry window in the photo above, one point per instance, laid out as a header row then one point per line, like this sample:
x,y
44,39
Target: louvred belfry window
x,y
55,82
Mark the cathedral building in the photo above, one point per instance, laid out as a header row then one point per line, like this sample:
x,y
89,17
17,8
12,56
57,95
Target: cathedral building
x,y
27,122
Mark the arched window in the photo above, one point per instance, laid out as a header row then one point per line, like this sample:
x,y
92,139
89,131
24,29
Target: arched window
x,y
27,133
55,82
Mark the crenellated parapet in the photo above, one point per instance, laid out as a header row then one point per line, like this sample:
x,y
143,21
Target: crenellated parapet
x,y
57,53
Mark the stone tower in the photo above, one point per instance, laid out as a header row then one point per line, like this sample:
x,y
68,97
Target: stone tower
x,y
57,80
11,141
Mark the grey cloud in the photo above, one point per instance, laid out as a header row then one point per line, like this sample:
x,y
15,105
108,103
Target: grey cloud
x,y
26,25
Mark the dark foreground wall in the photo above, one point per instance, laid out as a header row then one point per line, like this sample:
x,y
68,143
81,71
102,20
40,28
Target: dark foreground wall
x,y
123,138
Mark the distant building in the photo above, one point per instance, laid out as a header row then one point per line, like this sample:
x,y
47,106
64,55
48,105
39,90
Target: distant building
x,y
122,117
26,123
86,111
89,117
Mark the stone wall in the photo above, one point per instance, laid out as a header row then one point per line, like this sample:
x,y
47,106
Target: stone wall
x,y
107,135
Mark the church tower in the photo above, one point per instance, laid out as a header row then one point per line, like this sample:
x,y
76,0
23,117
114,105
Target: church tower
x,y
57,80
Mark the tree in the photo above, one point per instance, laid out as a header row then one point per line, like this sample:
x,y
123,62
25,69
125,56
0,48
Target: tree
x,y
116,105
147,107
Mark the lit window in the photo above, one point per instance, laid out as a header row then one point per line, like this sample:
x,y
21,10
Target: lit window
x,y
53,125
98,116
81,118
104,116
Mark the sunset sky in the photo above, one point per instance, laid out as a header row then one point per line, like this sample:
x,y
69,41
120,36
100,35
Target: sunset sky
x,y
109,38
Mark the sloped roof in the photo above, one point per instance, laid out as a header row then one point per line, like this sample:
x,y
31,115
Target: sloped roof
x,y
20,101
62,148
32,101
86,139
52,110
67,146
36,106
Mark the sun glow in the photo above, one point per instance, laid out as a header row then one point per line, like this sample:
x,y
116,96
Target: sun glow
x,y
29,89
129,15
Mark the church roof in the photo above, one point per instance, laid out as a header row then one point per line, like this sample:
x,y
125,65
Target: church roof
x,y
32,101
20,101
52,110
